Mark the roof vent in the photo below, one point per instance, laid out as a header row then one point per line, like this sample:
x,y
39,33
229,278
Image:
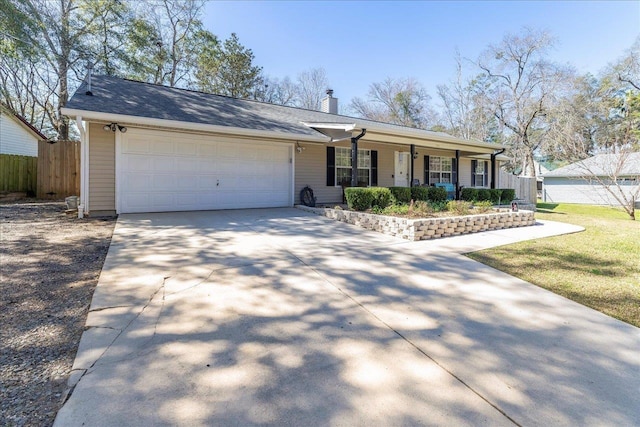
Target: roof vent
x,y
329,103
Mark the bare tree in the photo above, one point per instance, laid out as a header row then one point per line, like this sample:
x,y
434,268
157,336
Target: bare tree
x,y
310,88
400,101
464,110
617,174
169,27
276,91
522,85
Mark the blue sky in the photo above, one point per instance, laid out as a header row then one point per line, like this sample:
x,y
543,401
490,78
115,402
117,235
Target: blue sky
x,y
361,42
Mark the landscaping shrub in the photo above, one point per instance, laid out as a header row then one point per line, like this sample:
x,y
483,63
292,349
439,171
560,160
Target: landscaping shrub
x,y
421,207
508,194
438,206
358,198
401,194
496,195
419,193
469,194
459,207
392,210
382,197
437,194
482,207
483,194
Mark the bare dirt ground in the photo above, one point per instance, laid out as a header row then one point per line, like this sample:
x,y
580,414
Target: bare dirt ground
x,y
49,267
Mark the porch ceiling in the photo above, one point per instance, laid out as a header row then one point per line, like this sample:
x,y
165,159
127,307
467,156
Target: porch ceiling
x,y
404,136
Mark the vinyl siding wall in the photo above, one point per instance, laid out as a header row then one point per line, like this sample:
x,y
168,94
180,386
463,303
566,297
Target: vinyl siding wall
x,y
311,168
102,170
15,139
568,190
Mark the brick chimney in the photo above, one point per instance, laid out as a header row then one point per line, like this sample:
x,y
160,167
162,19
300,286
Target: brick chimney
x,y
329,103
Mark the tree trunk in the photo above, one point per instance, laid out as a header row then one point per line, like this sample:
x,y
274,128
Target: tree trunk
x,y
63,70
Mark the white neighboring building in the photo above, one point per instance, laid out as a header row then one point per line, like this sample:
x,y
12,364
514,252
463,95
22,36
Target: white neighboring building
x,y
17,136
570,184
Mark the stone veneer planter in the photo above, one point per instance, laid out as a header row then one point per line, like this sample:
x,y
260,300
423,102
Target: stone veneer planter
x,y
428,228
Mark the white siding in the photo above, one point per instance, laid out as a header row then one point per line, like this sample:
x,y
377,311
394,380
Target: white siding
x,y
311,167
567,190
15,139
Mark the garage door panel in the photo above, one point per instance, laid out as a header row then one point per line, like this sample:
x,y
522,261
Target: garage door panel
x,y
174,172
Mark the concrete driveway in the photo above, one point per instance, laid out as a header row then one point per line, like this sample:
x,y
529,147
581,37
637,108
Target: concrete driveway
x,y
280,317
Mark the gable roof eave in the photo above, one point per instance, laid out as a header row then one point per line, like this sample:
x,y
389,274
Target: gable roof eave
x,y
23,123
129,120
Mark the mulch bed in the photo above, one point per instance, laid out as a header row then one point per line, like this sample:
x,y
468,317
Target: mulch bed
x,y
49,267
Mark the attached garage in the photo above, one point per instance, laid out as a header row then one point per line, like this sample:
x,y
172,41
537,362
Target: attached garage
x,y
151,148
162,171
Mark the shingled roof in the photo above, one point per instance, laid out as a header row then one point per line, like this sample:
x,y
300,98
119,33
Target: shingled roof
x,y
117,96
600,165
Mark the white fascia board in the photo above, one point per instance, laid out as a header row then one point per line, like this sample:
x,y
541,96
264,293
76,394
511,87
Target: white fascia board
x,y
433,136
341,126
124,119
499,157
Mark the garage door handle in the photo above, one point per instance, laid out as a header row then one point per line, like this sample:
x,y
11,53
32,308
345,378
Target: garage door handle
x,y
217,183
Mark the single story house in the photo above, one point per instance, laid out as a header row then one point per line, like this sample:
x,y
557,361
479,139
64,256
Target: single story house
x,y
17,135
580,182
151,148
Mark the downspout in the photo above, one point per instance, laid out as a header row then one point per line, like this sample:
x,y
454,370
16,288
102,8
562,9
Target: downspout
x,y
354,158
493,166
413,156
82,205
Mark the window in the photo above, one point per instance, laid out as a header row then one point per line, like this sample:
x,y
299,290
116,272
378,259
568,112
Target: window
x,y
440,170
479,173
343,166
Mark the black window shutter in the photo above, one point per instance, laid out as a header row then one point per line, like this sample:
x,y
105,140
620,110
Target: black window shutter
x,y
454,170
374,168
474,166
485,180
426,170
331,166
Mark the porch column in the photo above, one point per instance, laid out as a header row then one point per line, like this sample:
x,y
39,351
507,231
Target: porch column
x,y
457,174
354,158
493,171
413,156
354,162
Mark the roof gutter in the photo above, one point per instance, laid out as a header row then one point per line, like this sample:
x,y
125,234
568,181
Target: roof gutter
x,y
177,124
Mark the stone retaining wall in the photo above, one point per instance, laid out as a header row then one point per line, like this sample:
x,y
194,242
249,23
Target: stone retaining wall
x,y
428,228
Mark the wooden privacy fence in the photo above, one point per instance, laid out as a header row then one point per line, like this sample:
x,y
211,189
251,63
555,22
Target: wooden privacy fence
x,y
18,173
526,188
58,169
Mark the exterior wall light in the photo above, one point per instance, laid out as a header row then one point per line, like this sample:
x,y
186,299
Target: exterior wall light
x,y
113,126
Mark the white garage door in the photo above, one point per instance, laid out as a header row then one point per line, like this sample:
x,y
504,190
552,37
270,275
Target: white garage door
x,y
168,171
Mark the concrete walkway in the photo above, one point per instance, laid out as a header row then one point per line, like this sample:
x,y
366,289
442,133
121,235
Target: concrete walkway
x,y
280,317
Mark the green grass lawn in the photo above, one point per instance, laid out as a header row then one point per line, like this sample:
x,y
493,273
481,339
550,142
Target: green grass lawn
x,y
599,267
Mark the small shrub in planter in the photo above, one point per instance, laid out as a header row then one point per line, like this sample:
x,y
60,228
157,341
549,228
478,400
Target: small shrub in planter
x,y
401,194
438,206
483,195
508,194
482,207
437,194
469,194
496,195
423,208
358,198
459,207
381,197
420,194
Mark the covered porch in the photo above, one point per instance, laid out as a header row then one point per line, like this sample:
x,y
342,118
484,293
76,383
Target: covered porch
x,y
388,156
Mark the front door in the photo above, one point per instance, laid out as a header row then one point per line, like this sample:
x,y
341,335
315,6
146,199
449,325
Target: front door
x,y
402,171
